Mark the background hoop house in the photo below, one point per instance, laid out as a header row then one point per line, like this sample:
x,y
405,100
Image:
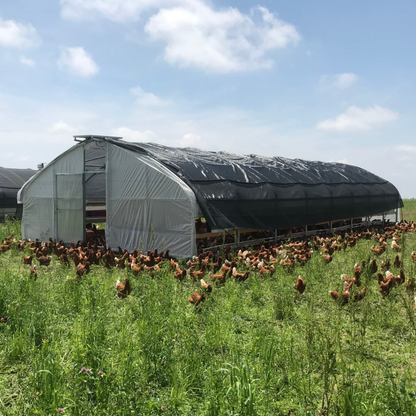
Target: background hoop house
x,y
11,180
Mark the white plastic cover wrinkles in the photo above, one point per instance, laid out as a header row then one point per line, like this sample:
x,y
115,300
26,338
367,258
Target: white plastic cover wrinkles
x,y
38,196
69,205
147,205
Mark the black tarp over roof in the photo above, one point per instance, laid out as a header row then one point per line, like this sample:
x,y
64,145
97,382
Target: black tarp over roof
x,y
236,191
11,180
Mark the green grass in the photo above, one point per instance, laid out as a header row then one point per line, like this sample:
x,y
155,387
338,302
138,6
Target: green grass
x,y
252,348
409,209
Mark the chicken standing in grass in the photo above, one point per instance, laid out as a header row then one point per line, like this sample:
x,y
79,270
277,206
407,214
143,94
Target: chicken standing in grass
x,y
33,273
385,287
345,296
135,268
410,284
217,265
348,280
173,264
220,278
44,260
378,251
197,274
373,265
395,246
300,285
180,274
240,276
123,290
121,262
206,286
360,295
385,265
81,269
196,298
151,270
397,262
327,258
64,259
27,259
263,271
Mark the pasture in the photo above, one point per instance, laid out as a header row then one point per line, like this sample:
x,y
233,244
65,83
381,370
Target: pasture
x,y
255,347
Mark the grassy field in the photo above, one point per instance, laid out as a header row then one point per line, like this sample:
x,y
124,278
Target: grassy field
x,y
409,209
252,348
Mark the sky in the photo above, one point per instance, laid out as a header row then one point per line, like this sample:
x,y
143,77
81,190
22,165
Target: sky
x,y
316,80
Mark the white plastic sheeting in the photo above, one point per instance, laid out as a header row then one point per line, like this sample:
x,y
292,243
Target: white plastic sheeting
x,y
147,205
69,205
38,197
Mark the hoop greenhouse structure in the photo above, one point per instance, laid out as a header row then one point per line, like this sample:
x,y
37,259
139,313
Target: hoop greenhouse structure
x,y
11,180
149,195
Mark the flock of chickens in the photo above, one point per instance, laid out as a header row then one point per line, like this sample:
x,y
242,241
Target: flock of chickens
x,y
288,254
387,282
218,268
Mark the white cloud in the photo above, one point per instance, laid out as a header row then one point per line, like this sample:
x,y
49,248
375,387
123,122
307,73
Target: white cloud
x,y
221,41
24,120
195,34
27,61
146,98
342,81
406,156
190,140
77,62
356,118
116,10
134,135
17,35
406,149
343,161
60,127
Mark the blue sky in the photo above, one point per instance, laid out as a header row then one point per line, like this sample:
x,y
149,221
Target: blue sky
x,y
317,80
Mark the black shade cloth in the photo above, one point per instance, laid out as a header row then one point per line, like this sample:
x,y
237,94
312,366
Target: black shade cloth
x,y
11,180
236,191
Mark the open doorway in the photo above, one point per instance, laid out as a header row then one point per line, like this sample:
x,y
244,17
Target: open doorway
x,y
95,215
80,198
